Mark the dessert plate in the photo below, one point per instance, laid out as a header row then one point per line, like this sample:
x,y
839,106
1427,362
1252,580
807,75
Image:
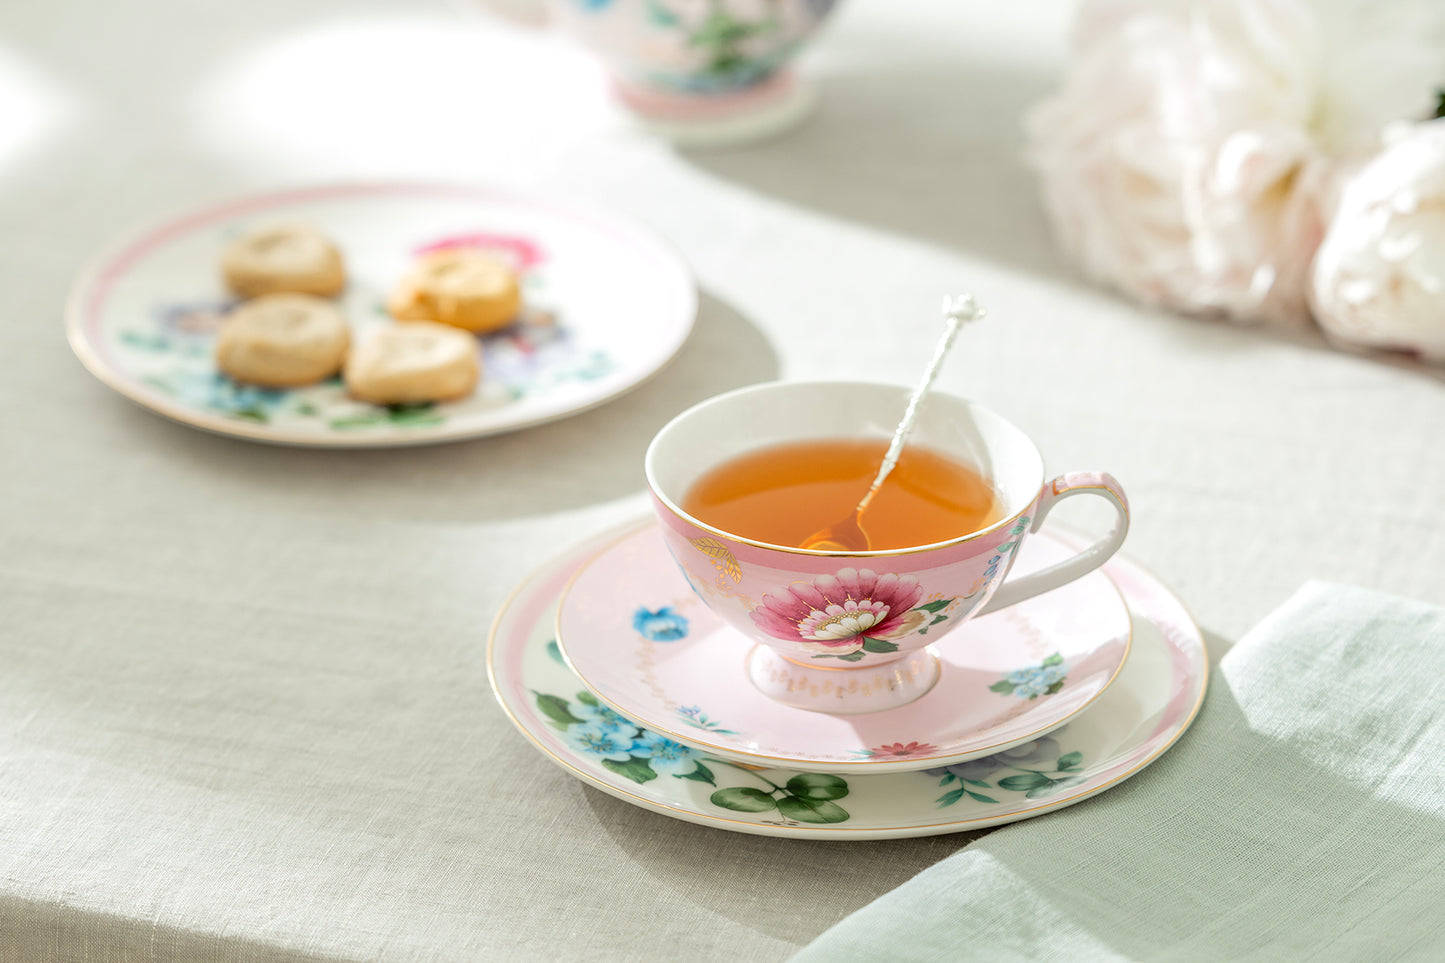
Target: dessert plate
x,y
649,649
1143,713
143,319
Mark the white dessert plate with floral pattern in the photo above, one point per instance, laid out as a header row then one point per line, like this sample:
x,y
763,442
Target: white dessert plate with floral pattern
x,y
607,305
649,649
1153,701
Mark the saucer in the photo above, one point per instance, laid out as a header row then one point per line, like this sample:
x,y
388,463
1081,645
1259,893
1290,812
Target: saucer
x,y
1143,713
652,651
143,320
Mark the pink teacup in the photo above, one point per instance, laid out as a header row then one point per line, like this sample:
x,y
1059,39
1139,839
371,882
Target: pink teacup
x,y
846,631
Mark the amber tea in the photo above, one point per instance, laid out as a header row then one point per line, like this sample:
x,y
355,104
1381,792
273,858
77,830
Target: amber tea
x,y
783,494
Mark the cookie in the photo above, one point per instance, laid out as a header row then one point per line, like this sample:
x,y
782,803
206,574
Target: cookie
x,y
291,258
413,362
282,341
460,287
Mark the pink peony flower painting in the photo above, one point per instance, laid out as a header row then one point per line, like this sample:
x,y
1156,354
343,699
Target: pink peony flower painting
x,y
839,615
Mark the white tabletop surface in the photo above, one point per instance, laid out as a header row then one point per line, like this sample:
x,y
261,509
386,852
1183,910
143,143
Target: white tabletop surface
x,y
243,704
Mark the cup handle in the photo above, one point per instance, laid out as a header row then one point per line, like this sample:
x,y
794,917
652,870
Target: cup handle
x,y
1073,483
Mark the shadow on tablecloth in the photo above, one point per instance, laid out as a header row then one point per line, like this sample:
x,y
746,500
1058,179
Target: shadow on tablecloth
x,y
787,889
932,150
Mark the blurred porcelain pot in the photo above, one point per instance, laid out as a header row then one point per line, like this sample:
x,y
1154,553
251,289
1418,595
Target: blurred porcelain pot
x,y
699,71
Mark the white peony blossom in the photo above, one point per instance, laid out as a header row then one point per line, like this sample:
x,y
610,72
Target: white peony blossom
x,y
1187,158
1379,277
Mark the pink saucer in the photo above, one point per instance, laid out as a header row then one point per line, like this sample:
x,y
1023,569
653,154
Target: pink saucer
x,y
638,638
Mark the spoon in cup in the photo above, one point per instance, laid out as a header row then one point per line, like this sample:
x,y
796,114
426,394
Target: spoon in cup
x,y
847,534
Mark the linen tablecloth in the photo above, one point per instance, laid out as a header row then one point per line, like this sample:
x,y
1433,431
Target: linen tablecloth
x,y
243,705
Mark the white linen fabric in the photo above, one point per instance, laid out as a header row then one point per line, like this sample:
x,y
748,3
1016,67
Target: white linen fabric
x,y
1303,818
243,706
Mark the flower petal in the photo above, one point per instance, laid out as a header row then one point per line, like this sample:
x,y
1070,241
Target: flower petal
x,y
808,595
774,625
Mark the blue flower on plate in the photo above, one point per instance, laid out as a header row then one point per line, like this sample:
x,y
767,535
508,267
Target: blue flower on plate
x,y
666,757
603,718
594,4
213,390
1043,750
1034,681
594,740
663,625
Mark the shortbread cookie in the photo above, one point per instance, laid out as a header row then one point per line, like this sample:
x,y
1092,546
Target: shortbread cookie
x,y
290,258
282,341
460,287
413,362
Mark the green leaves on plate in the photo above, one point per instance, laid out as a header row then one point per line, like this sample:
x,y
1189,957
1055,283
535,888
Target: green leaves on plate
x,y
806,798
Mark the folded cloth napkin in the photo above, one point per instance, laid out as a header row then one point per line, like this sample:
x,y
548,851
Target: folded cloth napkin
x,y
1302,818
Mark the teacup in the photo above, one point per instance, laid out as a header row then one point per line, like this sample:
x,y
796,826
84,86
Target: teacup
x,y
803,606
701,72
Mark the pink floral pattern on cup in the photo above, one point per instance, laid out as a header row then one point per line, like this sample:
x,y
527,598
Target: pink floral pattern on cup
x,y
842,614
872,612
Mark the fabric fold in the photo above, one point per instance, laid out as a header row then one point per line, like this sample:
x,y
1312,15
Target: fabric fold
x,y
1302,817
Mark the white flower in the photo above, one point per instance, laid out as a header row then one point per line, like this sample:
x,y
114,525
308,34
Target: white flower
x,y
1379,277
1186,158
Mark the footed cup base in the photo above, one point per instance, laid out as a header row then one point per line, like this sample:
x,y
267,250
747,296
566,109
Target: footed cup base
x,y
841,691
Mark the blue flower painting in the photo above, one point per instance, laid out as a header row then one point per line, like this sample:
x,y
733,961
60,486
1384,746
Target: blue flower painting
x,y
662,625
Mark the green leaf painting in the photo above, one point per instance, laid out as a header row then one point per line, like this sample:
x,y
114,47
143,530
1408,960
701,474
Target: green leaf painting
x,y
701,773
1025,771
811,810
638,770
1023,782
598,735
743,799
555,708
817,786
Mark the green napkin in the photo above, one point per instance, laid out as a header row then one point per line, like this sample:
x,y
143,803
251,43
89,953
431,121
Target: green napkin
x,y
1302,818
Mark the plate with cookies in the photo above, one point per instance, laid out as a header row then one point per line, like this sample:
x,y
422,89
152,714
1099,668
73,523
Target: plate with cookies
x,y
378,315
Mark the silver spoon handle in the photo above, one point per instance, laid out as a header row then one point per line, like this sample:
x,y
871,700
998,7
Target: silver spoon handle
x,y
957,309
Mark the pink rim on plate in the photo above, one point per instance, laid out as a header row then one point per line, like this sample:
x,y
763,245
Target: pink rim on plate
x,y
651,650
1153,701
143,319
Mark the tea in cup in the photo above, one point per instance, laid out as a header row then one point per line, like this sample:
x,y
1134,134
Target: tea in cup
x,y
740,481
